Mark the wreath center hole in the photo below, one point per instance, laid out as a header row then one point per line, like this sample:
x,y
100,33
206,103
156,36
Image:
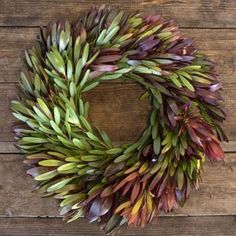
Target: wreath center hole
x,y
115,107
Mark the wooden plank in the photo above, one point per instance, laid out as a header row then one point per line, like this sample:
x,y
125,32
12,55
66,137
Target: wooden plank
x,y
206,13
216,196
114,108
218,44
169,226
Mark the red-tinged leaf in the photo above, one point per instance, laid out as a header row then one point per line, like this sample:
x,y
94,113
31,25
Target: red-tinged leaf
x,y
135,191
91,197
173,106
146,150
120,185
106,192
35,171
152,19
162,186
107,58
113,168
155,181
132,176
127,188
127,179
94,74
105,68
95,210
106,205
171,117
147,45
214,151
194,137
215,87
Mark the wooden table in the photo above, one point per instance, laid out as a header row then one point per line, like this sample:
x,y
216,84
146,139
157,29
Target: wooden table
x,y
115,108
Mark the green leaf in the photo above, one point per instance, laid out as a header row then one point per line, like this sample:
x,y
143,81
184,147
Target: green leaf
x,y
37,83
26,84
180,178
57,116
85,78
90,158
187,84
174,79
105,138
115,21
111,77
156,168
57,61
56,127
19,107
81,107
51,163
73,89
113,151
101,37
77,48
46,176
90,86
64,141
40,114
34,140
69,69
85,123
157,145
44,108
67,166
92,136
111,34
59,184
79,213
78,69
77,197
85,54
78,143
123,157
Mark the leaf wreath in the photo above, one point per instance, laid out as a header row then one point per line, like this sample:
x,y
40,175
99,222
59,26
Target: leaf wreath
x,y
76,162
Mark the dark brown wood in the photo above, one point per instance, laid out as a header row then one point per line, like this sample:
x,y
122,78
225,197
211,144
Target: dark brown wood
x,y
216,195
169,226
207,13
218,44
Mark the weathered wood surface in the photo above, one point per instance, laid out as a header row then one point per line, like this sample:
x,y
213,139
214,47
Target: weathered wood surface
x,y
115,108
168,226
193,14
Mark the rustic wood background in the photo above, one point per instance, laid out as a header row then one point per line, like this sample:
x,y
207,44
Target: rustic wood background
x,y
115,108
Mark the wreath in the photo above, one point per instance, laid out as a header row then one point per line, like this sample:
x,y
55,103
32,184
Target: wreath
x,y
76,162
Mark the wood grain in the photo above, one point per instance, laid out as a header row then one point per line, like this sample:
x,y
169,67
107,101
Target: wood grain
x,y
168,226
204,13
218,44
216,195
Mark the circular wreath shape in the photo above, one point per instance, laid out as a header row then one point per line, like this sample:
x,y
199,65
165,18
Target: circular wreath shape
x,y
76,162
